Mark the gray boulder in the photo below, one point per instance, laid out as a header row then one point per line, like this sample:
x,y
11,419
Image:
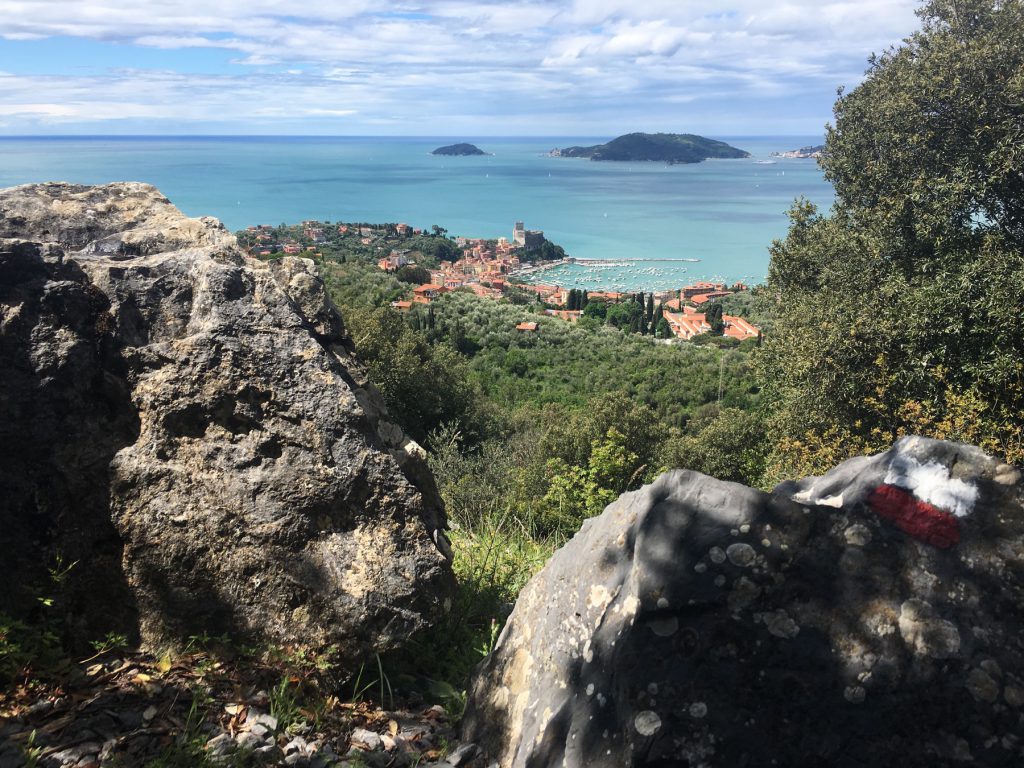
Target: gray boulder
x,y
189,429
873,616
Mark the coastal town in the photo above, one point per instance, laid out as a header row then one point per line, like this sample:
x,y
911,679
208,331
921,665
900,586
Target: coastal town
x,y
498,269
490,268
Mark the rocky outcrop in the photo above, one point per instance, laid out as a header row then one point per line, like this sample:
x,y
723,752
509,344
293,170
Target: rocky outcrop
x,y
872,616
188,429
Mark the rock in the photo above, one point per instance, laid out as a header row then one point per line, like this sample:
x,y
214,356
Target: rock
x,y
866,617
220,745
462,754
269,722
982,686
249,741
369,739
191,427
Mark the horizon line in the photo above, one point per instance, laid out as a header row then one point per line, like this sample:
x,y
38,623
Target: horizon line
x,y
360,135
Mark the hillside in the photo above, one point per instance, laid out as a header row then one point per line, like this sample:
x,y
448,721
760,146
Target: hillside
x,y
663,147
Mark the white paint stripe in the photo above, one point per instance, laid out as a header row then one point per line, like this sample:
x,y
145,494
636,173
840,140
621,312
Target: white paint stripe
x,y
931,483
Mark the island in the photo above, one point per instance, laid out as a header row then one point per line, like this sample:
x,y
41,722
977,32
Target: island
x,y
803,152
670,148
459,150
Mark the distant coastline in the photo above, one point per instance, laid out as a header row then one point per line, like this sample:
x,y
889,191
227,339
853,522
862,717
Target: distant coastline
x,y
594,210
811,152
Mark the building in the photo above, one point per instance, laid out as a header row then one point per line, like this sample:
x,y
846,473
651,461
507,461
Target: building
x,y
424,293
393,262
569,315
703,286
685,325
533,238
690,323
527,238
704,298
527,327
738,328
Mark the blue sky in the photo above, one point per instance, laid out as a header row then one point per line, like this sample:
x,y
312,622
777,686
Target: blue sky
x,y
437,67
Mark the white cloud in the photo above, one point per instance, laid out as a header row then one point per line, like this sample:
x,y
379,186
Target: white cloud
x,y
427,57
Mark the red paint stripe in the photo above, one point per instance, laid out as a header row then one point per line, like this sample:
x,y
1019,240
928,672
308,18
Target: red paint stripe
x,y
921,520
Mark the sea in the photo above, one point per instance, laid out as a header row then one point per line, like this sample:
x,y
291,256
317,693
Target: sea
x,y
634,226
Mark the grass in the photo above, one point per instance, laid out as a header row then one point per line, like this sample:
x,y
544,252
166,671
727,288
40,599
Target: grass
x,y
494,558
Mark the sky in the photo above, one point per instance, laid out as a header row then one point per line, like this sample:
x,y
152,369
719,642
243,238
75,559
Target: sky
x,y
436,67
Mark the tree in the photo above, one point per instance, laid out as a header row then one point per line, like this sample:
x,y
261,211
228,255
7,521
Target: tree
x,y
899,312
650,310
662,330
413,274
596,309
713,317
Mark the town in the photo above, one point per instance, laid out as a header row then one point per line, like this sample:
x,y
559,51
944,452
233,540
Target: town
x,y
489,269
495,268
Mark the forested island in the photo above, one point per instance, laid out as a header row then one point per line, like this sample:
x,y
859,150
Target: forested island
x,y
669,148
459,150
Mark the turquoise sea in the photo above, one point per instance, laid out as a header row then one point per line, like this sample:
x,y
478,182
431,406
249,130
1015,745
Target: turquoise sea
x,y
643,218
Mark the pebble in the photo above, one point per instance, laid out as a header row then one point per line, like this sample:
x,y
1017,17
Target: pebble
x,y
268,721
369,738
463,753
248,740
220,745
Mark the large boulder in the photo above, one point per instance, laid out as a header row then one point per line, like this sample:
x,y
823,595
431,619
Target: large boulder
x,y
187,429
873,616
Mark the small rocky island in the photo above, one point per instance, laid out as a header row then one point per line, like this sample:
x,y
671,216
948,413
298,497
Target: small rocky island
x,y
803,152
459,150
670,148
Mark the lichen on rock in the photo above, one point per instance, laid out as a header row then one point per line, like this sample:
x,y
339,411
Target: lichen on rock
x,y
800,627
193,427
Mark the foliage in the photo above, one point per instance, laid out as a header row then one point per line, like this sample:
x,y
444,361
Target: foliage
x,y
31,646
713,317
667,147
578,492
546,251
412,274
899,312
356,285
730,445
423,385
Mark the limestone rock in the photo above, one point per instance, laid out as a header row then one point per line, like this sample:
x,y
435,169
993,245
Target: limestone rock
x,y
190,426
699,622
